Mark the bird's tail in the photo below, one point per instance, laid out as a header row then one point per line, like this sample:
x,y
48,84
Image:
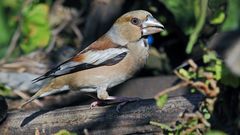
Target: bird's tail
x,y
48,89
36,95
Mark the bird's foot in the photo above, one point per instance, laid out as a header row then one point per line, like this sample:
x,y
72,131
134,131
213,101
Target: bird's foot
x,y
94,104
97,103
121,101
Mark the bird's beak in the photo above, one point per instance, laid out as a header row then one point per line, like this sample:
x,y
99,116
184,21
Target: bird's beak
x,y
151,26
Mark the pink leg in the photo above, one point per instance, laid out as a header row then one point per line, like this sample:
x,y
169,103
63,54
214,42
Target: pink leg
x,y
94,104
121,101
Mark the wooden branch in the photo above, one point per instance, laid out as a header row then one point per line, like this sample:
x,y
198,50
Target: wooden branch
x,y
133,118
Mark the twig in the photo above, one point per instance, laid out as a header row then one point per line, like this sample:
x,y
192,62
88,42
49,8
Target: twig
x,y
180,76
77,32
197,115
55,32
210,90
60,28
202,124
182,84
193,64
190,130
12,45
51,44
171,89
26,97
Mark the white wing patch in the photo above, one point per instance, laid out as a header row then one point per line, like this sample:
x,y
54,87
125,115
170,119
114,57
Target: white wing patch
x,y
96,57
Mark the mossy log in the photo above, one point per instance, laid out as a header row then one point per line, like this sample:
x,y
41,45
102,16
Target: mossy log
x,y
133,118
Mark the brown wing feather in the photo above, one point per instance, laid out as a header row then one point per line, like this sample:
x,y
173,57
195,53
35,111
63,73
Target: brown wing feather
x,y
101,44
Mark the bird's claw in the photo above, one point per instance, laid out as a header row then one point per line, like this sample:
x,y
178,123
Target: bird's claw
x,y
127,100
121,101
94,104
119,106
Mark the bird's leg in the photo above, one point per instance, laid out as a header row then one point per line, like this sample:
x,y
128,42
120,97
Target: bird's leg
x,y
114,100
95,103
121,101
101,96
104,99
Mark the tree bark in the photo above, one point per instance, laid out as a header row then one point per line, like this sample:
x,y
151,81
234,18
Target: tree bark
x,y
133,118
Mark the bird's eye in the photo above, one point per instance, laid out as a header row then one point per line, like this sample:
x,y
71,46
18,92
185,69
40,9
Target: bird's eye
x,y
135,21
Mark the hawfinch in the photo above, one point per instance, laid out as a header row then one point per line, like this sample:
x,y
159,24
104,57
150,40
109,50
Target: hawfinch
x,y
108,61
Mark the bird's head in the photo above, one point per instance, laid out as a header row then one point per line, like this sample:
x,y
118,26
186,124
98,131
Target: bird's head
x,y
133,26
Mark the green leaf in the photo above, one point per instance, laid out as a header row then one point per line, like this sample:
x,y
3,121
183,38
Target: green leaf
x,y
214,64
64,132
36,28
184,73
210,55
218,19
162,100
4,91
38,14
193,90
165,126
215,132
207,116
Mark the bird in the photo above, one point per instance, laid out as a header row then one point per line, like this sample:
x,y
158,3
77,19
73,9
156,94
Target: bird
x,y
107,62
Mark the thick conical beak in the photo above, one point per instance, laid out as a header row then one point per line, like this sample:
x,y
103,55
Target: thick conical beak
x,y
151,26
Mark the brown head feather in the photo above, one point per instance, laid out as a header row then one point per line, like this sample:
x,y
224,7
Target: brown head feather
x,y
126,29
126,18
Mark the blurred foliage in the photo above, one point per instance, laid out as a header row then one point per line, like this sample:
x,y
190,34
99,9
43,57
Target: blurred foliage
x,y
193,16
8,20
215,64
157,61
35,27
32,17
229,79
199,25
184,13
233,17
5,91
